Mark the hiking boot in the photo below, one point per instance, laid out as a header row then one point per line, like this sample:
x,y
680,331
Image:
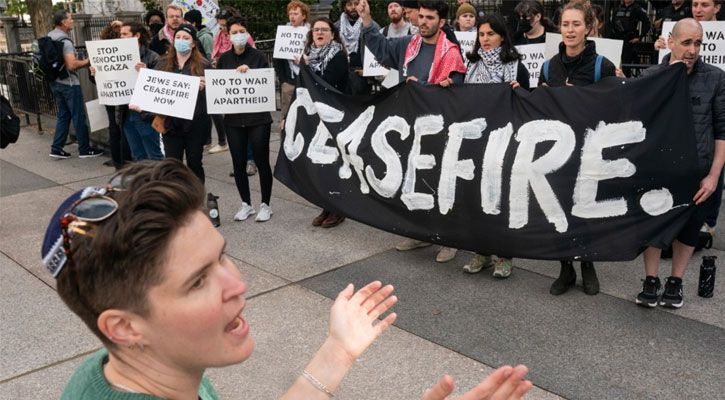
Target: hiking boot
x,y
265,213
672,297
589,278
650,292
218,149
251,168
91,153
59,154
477,263
332,220
504,267
320,218
244,212
446,254
411,244
566,279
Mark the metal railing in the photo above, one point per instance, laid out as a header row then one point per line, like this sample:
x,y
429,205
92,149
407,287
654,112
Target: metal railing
x,y
24,91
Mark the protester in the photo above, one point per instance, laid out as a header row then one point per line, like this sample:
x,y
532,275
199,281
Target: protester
x,y
426,58
532,25
162,41
466,18
576,65
120,151
410,10
286,70
398,26
350,27
243,129
326,56
702,10
494,59
67,92
707,85
154,20
144,140
167,303
477,13
599,26
206,38
183,137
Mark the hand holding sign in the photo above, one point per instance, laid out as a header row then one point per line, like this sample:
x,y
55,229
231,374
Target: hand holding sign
x,y
241,90
289,42
166,93
112,63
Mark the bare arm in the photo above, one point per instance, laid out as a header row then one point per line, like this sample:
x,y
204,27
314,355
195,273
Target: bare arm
x,y
72,63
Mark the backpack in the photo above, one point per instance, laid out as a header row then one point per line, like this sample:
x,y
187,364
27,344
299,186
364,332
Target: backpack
x,y
597,69
48,62
10,125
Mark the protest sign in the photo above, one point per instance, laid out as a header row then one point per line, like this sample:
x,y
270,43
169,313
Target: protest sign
x,y
550,174
166,93
712,50
97,116
208,10
609,48
290,42
372,67
391,79
467,40
533,57
232,92
115,63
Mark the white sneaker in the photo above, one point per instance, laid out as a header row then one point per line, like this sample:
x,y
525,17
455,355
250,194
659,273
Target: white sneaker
x,y
265,213
244,212
218,149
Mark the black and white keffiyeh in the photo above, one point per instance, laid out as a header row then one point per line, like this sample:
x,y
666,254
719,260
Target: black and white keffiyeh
x,y
350,33
321,56
490,68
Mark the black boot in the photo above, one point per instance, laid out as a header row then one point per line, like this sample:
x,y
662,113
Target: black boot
x,y
589,278
566,279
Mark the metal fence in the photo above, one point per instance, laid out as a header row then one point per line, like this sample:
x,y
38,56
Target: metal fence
x,y
24,91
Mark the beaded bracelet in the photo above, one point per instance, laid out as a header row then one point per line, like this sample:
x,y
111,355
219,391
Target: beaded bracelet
x,y
319,385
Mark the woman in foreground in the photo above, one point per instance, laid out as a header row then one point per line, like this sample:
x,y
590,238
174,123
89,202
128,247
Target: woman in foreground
x,y
140,263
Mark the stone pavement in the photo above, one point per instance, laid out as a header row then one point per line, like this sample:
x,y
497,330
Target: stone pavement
x,y
576,346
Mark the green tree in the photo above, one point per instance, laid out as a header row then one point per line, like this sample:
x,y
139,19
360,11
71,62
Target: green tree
x,y
17,8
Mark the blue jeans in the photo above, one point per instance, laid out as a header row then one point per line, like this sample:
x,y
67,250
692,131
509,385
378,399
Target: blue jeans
x,y
144,141
70,107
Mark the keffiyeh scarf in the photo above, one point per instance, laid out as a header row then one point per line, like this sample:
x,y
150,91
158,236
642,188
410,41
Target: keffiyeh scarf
x,y
447,58
350,33
490,68
321,56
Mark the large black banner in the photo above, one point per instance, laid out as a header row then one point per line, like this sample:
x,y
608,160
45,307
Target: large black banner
x,y
588,173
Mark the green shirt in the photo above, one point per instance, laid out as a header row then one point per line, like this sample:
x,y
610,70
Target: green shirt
x,y
89,383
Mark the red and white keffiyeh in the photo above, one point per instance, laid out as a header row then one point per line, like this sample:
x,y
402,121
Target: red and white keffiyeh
x,y
447,58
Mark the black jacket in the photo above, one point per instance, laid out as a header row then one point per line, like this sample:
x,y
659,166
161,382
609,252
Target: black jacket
x,y
579,70
336,72
624,22
254,59
283,71
707,93
160,44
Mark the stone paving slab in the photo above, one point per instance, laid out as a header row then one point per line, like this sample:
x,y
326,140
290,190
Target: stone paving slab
x,y
576,346
47,383
14,180
288,327
37,328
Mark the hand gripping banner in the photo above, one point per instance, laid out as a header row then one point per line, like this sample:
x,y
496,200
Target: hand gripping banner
x,y
592,173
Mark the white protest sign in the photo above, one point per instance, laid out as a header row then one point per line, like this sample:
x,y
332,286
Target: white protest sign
x,y
467,40
712,50
533,57
609,48
371,65
392,79
166,93
115,63
232,92
290,42
97,115
208,10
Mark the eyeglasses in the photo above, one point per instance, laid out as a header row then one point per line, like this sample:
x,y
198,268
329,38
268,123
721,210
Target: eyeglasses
x,y
321,30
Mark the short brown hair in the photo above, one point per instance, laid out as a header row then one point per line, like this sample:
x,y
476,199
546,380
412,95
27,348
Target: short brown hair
x,y
124,258
302,6
137,27
111,31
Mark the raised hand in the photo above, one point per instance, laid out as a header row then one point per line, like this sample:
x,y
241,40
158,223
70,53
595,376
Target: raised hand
x,y
505,383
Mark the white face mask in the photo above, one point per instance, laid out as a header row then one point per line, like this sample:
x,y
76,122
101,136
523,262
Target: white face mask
x,y
239,40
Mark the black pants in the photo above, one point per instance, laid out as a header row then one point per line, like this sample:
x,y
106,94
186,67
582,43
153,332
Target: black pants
x,y
120,152
191,142
218,120
238,139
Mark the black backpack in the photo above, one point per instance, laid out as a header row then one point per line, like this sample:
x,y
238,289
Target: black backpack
x,y
9,124
48,62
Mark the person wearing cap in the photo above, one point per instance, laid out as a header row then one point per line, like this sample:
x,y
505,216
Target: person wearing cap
x,y
398,26
164,39
203,33
466,18
154,19
410,10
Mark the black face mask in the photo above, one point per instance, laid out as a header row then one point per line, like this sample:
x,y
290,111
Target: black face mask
x,y
155,28
523,26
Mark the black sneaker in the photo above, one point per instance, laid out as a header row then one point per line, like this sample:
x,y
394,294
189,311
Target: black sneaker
x,y
58,154
650,292
672,297
91,153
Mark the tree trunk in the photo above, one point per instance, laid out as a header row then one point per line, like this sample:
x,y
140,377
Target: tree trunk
x,y
41,16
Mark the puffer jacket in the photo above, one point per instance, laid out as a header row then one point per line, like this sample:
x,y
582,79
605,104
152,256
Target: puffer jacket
x,y
707,94
579,70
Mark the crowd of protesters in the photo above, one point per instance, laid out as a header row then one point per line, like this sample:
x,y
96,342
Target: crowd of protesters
x,y
420,44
